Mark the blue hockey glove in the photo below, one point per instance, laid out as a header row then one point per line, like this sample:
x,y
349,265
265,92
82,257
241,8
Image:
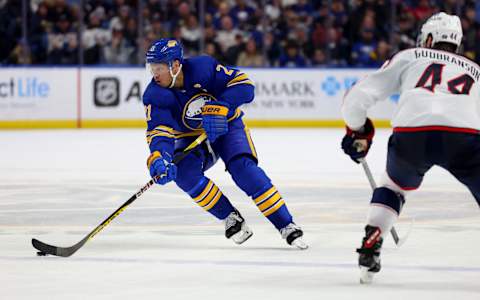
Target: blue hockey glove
x,y
357,143
214,119
161,167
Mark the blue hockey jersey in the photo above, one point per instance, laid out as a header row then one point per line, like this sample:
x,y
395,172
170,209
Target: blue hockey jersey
x,y
174,113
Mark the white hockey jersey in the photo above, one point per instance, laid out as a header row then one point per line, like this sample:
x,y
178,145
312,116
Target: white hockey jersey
x,y
436,88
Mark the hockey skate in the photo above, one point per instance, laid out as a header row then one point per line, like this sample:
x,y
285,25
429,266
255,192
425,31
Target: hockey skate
x,y
369,254
236,228
293,235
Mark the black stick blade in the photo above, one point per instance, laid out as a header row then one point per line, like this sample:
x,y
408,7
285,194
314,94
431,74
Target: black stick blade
x,y
57,251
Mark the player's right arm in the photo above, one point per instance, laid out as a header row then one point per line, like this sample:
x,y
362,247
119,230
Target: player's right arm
x,y
375,87
363,95
160,133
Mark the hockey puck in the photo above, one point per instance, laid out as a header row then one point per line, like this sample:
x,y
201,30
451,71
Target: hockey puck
x,y
40,253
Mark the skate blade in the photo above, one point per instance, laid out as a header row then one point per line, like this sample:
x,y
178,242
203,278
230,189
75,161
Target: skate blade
x,y
300,244
241,236
366,277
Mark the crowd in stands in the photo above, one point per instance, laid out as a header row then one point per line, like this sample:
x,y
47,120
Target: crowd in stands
x,y
278,33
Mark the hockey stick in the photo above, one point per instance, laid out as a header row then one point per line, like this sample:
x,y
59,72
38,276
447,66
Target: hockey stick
x,y
373,185
68,251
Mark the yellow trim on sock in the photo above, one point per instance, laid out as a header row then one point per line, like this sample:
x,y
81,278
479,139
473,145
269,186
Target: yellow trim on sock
x,y
209,197
205,191
269,202
214,201
274,208
265,195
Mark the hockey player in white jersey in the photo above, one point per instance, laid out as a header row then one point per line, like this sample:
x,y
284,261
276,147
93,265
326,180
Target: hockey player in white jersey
x,y
436,123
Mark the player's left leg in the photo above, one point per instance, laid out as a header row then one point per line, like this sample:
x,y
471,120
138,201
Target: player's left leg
x,y
407,163
206,194
238,152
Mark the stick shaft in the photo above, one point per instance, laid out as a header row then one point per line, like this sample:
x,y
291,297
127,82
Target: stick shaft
x,y
68,251
373,185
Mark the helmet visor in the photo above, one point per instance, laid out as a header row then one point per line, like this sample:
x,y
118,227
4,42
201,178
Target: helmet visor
x,y
156,69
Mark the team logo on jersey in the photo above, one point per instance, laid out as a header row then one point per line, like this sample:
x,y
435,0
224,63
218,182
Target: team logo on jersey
x,y
192,113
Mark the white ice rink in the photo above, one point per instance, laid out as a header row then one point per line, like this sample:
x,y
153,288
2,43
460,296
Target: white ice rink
x,y
58,185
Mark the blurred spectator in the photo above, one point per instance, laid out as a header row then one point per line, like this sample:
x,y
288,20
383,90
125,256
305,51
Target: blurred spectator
x,y
118,50
339,13
406,34
319,58
158,28
19,56
232,53
223,11
250,57
121,19
292,57
272,49
422,11
131,32
363,50
214,50
470,33
10,27
191,34
226,37
381,54
273,10
241,13
39,26
62,43
94,39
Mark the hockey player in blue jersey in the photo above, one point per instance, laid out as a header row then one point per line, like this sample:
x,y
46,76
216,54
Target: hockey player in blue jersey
x,y
187,97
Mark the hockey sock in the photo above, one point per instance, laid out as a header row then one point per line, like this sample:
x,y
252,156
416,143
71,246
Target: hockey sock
x,y
385,208
272,206
208,196
255,183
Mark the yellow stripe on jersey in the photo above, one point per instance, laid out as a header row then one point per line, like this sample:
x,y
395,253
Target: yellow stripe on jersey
x,y
187,134
168,132
248,81
160,133
241,78
265,195
250,142
167,129
274,208
262,206
237,113
162,128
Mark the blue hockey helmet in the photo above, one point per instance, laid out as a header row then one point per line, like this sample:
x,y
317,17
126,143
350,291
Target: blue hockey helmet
x,y
165,51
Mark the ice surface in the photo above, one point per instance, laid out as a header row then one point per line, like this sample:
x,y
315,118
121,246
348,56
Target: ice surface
x,y
58,185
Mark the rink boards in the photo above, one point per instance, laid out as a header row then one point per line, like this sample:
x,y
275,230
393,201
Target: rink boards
x,y
71,97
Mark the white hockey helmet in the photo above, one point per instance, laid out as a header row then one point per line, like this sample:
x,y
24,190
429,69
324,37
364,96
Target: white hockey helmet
x,y
441,27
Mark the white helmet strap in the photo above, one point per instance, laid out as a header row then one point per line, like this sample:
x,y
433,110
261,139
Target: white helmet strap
x,y
174,76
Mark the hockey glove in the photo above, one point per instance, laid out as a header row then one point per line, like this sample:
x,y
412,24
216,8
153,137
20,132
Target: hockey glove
x,y
214,119
357,143
161,167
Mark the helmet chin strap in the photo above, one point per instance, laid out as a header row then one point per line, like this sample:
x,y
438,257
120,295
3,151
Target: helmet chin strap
x,y
174,76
